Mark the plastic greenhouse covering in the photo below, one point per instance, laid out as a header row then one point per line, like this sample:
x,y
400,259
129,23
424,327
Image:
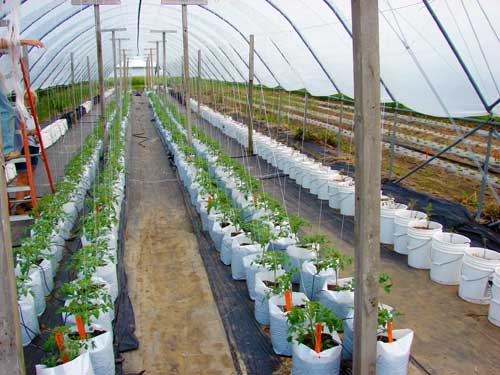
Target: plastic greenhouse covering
x,y
299,44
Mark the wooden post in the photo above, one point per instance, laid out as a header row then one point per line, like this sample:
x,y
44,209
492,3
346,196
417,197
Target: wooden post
x,y
164,42
90,79
250,94
26,61
187,94
115,78
199,83
367,191
124,79
11,348
158,65
100,68
73,86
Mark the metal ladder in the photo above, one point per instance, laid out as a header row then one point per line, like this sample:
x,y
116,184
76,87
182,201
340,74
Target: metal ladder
x,y
26,158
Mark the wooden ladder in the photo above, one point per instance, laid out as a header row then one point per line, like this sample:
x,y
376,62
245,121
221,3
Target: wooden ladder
x,y
26,158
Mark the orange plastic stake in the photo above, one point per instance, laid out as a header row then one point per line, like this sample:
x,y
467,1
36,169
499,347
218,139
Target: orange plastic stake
x,y
96,208
319,329
80,327
288,300
495,155
255,199
60,346
389,331
209,199
426,153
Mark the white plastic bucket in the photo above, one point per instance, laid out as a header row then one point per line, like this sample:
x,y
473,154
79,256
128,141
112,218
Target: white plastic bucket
x,y
387,212
477,272
333,191
494,312
346,199
401,220
447,251
420,235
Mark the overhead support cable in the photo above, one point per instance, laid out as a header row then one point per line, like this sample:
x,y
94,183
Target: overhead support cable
x,y
306,43
245,38
349,31
458,56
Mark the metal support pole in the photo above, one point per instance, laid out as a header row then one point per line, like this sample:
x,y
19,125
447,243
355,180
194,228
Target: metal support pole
x,y
73,86
279,113
485,176
11,352
250,93
187,95
393,141
100,67
124,73
367,189
199,82
444,150
304,125
158,65
341,121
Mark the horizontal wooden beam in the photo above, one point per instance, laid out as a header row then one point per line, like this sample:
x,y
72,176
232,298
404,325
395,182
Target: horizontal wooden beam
x,y
184,2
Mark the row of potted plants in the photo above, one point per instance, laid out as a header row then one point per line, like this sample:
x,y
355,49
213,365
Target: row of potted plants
x,y
448,256
84,344
260,242
37,258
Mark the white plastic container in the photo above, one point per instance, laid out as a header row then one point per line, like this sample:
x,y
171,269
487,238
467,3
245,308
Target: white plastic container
x,y
388,210
238,253
477,272
306,361
494,312
252,269
420,235
279,324
298,255
341,302
447,251
346,199
393,358
81,365
401,220
311,282
261,295
28,319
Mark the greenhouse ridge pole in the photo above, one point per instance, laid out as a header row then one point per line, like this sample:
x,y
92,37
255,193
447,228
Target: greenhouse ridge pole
x,y
367,189
250,93
100,69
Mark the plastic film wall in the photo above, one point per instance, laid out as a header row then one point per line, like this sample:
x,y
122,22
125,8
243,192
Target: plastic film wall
x,y
299,44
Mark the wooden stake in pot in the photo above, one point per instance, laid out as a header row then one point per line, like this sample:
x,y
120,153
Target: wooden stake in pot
x,y
80,327
288,300
319,329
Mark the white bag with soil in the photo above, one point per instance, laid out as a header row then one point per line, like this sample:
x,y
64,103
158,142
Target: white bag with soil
x,y
279,324
311,281
393,358
81,365
28,319
241,249
306,361
298,255
341,301
252,269
261,295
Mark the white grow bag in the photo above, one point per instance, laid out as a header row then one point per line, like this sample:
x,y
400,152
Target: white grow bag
x,y
346,199
238,253
306,361
101,352
447,251
310,282
341,302
494,312
401,221
261,300
298,255
419,243
477,272
279,324
81,365
28,319
226,249
393,358
251,270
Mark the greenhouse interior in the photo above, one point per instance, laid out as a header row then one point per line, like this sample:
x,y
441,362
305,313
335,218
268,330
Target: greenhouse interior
x,y
250,187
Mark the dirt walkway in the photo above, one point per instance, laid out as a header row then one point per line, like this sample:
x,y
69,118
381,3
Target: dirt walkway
x,y
177,322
